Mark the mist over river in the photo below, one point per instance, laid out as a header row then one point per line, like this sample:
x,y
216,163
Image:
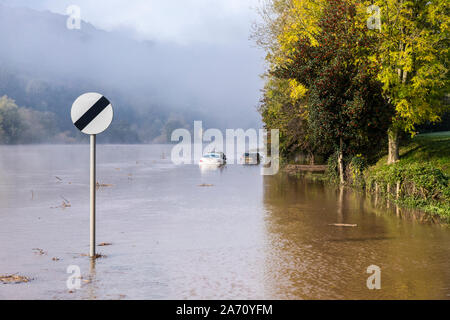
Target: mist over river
x,y
179,232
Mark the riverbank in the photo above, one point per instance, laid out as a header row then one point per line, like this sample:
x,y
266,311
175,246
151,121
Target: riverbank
x,y
421,179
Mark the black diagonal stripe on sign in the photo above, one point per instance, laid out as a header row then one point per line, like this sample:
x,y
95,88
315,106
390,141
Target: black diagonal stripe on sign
x,y
93,112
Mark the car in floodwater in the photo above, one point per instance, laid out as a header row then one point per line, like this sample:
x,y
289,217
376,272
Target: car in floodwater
x,y
251,158
213,159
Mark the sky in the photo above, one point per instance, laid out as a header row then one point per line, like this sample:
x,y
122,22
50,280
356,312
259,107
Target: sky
x,y
180,21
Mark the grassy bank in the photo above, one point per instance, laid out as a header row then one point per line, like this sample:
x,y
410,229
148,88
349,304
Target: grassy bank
x,y
421,179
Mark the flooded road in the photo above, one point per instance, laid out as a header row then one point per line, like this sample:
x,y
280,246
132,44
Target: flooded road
x,y
178,232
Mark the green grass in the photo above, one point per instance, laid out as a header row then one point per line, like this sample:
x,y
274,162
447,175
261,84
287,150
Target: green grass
x,y
430,148
424,171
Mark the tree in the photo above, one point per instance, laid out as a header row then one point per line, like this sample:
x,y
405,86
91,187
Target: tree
x,y
344,101
413,52
283,105
10,121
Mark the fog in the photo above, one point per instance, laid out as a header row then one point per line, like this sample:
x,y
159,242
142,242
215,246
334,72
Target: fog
x,y
186,67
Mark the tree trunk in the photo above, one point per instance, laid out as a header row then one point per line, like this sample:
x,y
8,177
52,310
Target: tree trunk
x,y
393,143
341,164
311,159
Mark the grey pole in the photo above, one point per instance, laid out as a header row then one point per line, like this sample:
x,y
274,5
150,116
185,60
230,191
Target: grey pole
x,y
93,185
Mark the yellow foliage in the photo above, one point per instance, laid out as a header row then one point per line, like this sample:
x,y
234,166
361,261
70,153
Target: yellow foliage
x,y
298,91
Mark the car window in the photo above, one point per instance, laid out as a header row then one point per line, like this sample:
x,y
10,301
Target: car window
x,y
211,155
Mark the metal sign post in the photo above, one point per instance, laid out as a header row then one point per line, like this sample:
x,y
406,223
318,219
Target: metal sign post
x,y
92,113
93,186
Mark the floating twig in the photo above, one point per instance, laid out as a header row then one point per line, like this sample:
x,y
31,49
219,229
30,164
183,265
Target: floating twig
x,y
103,185
63,205
39,251
343,225
13,278
104,244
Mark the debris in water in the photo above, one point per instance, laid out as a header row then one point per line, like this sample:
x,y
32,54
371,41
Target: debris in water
x,y
39,251
63,205
205,185
103,185
55,259
58,178
13,278
104,244
97,256
343,225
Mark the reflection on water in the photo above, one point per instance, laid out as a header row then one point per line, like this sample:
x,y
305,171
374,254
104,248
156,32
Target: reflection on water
x,y
244,236
92,280
206,168
312,260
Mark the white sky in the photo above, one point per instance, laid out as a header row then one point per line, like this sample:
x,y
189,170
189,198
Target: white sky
x,y
181,21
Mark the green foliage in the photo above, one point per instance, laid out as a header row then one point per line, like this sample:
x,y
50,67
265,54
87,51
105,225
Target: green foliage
x,y
344,101
357,166
432,207
22,125
417,180
10,121
413,53
283,110
333,172
423,171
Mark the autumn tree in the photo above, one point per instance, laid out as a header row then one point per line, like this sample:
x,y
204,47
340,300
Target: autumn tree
x,y
283,105
283,108
344,100
413,55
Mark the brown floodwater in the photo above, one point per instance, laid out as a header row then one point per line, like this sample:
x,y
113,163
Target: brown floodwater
x,y
240,236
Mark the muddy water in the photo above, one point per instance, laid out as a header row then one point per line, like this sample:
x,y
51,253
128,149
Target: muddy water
x,y
246,236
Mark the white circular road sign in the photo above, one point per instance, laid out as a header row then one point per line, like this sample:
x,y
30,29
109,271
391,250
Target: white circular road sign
x,y
92,113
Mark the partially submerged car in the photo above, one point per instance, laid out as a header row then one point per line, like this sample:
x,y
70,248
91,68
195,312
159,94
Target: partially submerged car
x,y
251,158
213,158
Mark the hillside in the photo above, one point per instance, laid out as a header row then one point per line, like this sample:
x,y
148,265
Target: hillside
x,y
153,86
